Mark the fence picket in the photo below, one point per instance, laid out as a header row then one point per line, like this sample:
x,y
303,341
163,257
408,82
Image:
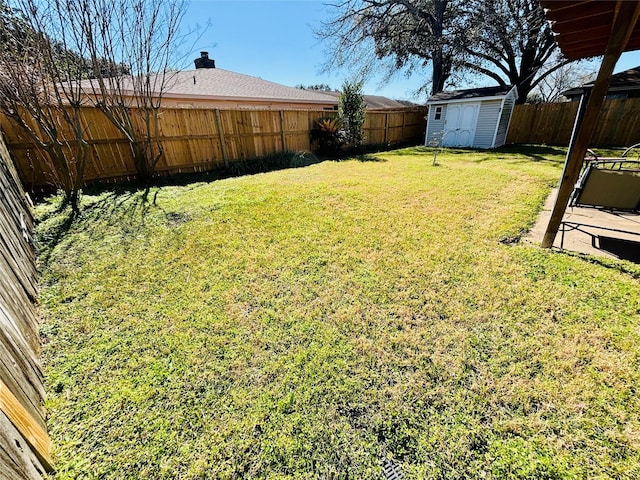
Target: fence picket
x,y
201,139
552,123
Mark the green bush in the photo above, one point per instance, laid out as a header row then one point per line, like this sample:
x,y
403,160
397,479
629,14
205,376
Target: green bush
x,y
351,109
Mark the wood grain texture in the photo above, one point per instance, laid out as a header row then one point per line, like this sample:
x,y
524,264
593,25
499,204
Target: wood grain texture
x,y
196,140
24,442
36,437
552,123
17,460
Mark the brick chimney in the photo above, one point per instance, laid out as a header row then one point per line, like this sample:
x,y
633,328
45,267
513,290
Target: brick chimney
x,y
204,61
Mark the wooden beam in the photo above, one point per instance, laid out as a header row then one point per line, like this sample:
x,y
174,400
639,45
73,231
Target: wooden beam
x,y
223,144
625,21
29,429
283,136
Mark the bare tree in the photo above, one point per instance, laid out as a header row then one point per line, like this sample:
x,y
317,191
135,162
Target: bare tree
x,y
511,42
409,33
114,54
141,34
35,92
550,88
507,41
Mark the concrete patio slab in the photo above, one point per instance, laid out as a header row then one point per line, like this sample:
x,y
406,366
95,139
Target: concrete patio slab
x,y
593,231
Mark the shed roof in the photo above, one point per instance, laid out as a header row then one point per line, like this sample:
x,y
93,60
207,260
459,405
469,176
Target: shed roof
x,y
472,93
583,28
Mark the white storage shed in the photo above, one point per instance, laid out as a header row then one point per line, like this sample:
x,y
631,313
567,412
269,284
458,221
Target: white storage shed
x,y
477,117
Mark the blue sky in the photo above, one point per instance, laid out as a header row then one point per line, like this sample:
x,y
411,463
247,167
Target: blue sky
x,y
274,40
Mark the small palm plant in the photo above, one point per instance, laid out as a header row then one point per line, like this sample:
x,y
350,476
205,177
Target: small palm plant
x,y
329,133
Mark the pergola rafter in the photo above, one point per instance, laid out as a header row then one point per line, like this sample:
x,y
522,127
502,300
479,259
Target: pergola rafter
x,y
587,29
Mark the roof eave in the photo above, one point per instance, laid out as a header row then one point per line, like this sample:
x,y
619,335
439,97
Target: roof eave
x,y
187,96
469,99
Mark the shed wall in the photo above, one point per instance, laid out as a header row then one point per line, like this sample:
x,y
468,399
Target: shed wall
x,y
486,124
435,127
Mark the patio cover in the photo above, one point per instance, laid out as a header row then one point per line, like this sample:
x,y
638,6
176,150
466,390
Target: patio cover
x,y
587,29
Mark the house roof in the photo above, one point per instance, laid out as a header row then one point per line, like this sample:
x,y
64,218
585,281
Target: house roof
x,y
217,82
623,81
583,28
472,93
375,102
220,84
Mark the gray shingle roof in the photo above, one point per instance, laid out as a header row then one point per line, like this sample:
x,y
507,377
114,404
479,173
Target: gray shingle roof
x,y
217,83
220,83
627,80
470,93
374,101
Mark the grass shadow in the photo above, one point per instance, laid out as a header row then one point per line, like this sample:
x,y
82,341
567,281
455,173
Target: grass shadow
x,y
236,168
123,205
537,153
623,266
369,158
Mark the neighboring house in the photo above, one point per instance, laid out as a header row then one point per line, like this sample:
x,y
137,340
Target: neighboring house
x,y
622,85
477,117
211,87
376,102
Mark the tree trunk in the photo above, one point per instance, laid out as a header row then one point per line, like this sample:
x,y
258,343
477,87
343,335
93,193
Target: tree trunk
x,y
440,69
438,77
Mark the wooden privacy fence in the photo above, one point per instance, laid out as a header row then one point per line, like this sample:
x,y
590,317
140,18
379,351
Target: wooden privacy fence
x,y
202,139
24,443
552,123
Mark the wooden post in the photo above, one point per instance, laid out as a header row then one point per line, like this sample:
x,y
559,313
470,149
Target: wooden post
x,y
223,144
386,127
282,133
621,30
27,426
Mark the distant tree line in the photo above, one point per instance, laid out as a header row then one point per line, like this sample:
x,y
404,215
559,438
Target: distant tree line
x,y
322,87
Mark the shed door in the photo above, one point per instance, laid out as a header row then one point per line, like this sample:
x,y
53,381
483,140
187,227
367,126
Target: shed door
x,y
460,125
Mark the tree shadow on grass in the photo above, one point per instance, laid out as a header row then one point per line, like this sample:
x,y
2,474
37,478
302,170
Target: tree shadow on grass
x,y
537,153
127,203
121,205
369,158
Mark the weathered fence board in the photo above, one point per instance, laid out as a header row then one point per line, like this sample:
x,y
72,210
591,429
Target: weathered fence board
x,y
552,123
24,443
202,139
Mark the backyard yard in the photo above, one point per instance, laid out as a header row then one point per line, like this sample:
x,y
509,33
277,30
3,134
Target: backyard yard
x,y
338,320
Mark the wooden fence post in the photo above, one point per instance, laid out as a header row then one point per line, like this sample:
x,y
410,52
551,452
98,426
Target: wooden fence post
x,y
223,144
282,134
386,127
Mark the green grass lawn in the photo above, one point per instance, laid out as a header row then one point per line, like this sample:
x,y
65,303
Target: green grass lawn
x,y
311,322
